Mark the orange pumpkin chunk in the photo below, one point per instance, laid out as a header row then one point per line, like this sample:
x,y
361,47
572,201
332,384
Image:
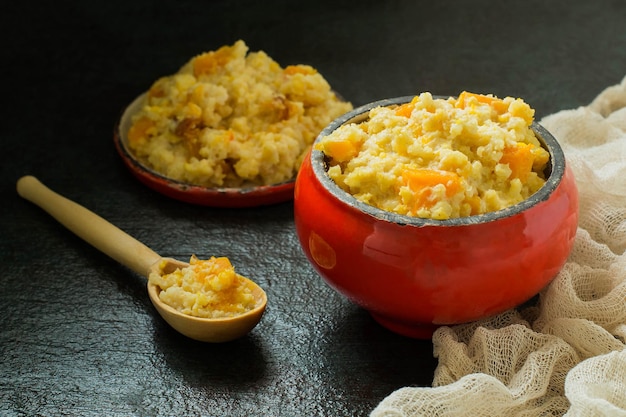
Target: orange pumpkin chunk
x,y
139,130
520,159
210,62
497,104
299,69
422,180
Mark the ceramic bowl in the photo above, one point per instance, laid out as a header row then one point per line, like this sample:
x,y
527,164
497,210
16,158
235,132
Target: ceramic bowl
x,y
216,197
415,274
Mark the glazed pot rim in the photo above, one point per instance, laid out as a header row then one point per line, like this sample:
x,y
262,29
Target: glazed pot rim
x,y
556,168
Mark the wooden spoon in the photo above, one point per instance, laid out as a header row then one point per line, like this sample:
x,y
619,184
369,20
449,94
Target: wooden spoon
x,y
135,255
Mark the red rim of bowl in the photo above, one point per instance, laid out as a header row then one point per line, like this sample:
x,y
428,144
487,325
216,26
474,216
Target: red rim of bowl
x,y
189,193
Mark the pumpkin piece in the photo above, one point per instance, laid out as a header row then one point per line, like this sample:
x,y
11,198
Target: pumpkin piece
x,y
520,159
422,180
139,131
494,102
340,150
299,69
210,62
405,110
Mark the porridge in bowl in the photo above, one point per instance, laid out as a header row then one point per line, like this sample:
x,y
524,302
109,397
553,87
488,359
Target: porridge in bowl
x,y
439,158
229,118
208,288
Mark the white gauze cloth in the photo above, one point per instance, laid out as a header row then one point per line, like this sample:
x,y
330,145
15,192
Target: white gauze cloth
x,y
566,355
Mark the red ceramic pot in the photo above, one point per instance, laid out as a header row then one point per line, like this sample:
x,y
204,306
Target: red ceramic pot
x,y
414,274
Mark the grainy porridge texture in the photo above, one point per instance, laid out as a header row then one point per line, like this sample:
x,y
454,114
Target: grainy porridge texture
x,y
440,158
229,118
206,288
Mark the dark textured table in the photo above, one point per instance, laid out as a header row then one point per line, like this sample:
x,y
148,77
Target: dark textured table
x,y
78,334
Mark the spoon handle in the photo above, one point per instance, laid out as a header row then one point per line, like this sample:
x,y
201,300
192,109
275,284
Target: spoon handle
x,y
92,228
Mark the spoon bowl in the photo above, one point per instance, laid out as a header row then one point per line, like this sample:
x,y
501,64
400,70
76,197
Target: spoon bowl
x,y
125,249
210,330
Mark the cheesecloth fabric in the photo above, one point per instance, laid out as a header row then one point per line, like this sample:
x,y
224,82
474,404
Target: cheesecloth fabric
x,y
567,354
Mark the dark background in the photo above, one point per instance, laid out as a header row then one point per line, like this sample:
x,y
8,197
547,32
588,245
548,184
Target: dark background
x,y
78,335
